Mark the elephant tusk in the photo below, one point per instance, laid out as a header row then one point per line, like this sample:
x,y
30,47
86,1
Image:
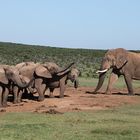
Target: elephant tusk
x,y
102,71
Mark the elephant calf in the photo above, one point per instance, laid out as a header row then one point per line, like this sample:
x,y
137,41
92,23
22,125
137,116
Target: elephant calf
x,y
61,81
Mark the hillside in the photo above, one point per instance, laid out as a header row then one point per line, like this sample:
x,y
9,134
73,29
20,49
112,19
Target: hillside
x,y
86,60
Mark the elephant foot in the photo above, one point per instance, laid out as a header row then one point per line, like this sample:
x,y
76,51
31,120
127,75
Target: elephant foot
x,y
51,96
15,102
40,99
2,110
19,101
108,92
90,92
130,94
61,96
5,105
1,105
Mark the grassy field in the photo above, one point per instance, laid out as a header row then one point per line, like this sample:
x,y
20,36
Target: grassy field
x,y
116,124
92,82
121,123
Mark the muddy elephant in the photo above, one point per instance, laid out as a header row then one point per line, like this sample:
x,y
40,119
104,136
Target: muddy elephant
x,y
122,62
42,73
9,75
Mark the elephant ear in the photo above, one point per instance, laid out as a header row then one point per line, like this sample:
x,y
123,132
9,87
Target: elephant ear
x,y
3,78
52,67
121,58
43,72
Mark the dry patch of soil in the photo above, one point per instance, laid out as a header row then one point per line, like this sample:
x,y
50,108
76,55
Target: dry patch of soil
x,y
75,100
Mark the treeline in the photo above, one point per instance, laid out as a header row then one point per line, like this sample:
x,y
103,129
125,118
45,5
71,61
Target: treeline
x,y
87,60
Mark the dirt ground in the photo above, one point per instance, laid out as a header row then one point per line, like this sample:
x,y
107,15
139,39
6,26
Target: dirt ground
x,y
75,100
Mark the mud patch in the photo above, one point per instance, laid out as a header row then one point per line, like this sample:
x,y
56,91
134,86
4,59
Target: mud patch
x,y
75,100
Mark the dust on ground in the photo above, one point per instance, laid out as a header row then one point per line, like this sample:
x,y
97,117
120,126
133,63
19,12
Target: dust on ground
x,y
75,100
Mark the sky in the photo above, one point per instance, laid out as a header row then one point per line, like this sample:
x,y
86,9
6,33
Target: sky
x,y
92,24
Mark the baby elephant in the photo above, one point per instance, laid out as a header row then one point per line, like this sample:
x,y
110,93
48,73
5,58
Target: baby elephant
x,y
61,81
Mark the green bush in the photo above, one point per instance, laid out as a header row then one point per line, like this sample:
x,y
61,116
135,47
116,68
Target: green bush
x,y
87,61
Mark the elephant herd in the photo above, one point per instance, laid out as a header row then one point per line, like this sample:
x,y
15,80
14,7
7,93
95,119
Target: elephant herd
x,y
36,77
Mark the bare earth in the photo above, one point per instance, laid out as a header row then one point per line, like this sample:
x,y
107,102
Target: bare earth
x,y
75,100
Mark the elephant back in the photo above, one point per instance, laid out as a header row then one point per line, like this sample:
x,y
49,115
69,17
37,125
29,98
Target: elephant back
x,y
20,65
3,77
23,64
27,71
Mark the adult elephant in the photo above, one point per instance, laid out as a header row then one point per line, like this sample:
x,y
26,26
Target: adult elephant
x,y
122,62
26,69
42,73
9,75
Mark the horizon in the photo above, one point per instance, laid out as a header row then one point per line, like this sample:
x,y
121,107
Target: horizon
x,y
58,47
73,24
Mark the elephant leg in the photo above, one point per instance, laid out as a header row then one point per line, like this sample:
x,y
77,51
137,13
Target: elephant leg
x,y
112,80
31,90
40,87
5,96
1,90
41,91
15,91
62,89
51,93
19,95
128,81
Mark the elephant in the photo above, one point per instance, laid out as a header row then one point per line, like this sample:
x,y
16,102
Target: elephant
x,y
59,80
122,62
42,73
9,75
27,70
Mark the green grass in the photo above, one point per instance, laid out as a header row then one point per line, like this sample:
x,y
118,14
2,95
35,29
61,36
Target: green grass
x,y
115,124
121,123
92,82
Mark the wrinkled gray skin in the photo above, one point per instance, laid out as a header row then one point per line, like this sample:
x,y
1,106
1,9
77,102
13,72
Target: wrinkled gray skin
x,y
60,81
122,62
9,75
26,69
42,73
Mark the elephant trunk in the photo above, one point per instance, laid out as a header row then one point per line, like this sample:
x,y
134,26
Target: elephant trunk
x,y
21,83
76,83
100,82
